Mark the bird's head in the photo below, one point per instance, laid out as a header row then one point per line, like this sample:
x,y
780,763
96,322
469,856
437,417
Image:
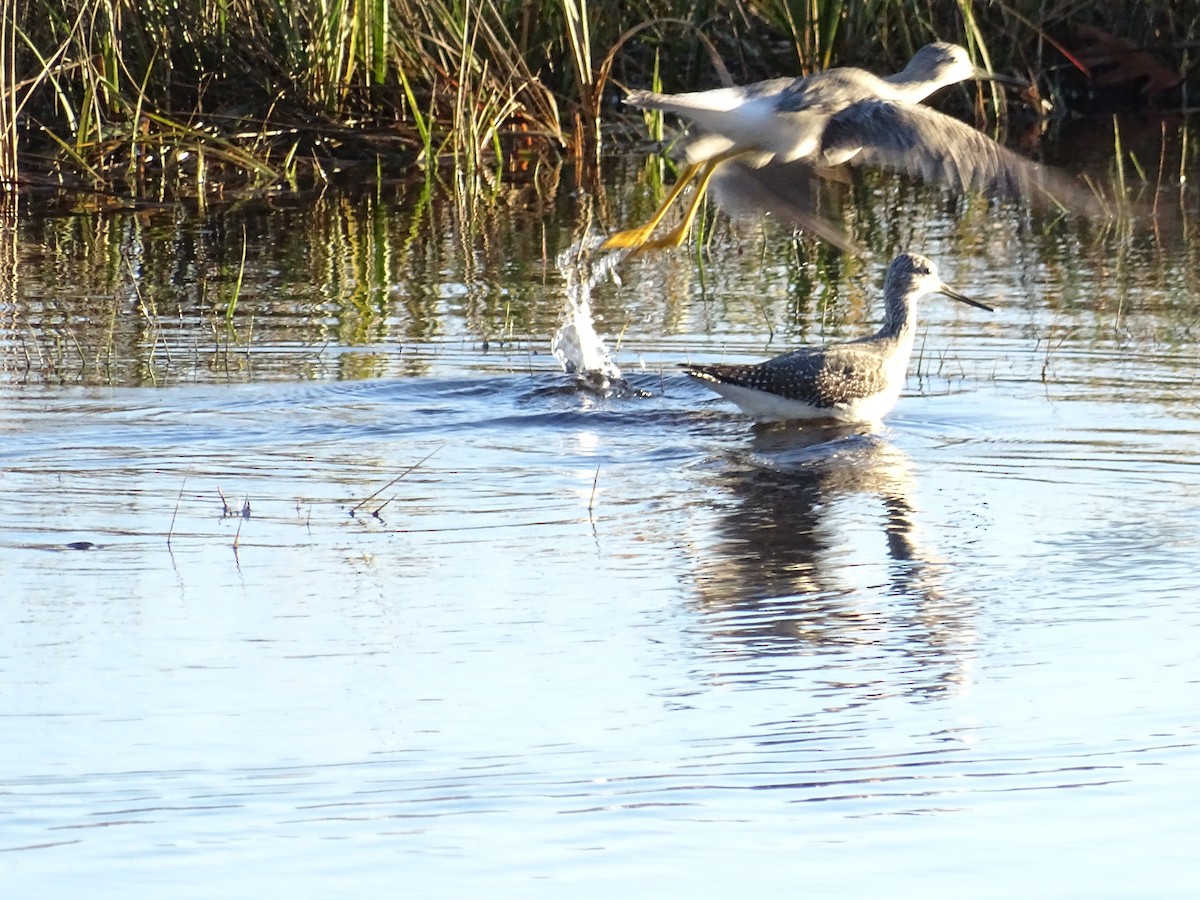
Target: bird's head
x,y
911,274
943,64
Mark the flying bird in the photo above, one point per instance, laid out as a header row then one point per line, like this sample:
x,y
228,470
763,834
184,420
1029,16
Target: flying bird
x,y
761,136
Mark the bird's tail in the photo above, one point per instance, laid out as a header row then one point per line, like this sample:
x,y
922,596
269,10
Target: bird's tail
x,y
688,104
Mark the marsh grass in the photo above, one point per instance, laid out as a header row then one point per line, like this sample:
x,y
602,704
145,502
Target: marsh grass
x,y
156,99
8,100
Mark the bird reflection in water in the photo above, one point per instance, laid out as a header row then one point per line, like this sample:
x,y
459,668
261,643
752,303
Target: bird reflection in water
x,y
790,572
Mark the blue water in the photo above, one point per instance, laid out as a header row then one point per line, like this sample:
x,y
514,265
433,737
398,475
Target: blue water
x,y
481,631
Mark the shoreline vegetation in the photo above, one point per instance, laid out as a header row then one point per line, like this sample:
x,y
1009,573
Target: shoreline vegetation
x,y
159,100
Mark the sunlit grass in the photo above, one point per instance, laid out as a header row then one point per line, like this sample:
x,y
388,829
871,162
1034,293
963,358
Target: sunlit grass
x,y
162,98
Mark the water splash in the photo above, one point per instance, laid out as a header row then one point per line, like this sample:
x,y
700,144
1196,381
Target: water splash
x,y
576,345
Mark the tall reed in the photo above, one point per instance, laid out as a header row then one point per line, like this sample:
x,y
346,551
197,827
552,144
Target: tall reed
x,y
182,96
8,98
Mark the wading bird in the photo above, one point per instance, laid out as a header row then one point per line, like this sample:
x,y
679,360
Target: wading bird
x,y
855,381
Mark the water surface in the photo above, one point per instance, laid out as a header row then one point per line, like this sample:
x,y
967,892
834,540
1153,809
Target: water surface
x,y
353,591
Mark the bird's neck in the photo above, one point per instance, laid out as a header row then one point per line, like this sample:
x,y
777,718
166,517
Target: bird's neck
x,y
899,323
913,87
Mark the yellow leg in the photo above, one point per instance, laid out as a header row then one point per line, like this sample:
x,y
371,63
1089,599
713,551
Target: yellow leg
x,y
636,237
676,236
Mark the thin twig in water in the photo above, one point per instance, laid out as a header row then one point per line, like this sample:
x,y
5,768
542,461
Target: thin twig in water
x,y
237,285
1050,350
419,462
592,499
1183,155
178,500
1119,156
621,334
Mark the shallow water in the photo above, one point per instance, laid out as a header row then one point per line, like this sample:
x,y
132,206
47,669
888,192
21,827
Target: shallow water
x,y
480,630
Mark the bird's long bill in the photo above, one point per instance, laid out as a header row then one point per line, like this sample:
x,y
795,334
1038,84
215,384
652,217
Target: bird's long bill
x,y
962,298
1010,80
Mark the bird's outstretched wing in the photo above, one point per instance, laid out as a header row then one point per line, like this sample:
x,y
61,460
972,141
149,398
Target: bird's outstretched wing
x,y
940,149
788,191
